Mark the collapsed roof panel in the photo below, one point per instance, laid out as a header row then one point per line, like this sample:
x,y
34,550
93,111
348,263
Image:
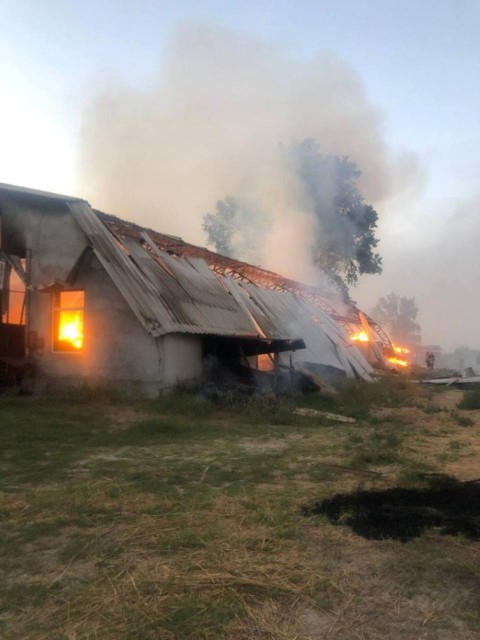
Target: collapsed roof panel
x,y
137,290
195,301
326,341
176,295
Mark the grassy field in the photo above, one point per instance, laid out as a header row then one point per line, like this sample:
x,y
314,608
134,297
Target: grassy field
x,y
183,519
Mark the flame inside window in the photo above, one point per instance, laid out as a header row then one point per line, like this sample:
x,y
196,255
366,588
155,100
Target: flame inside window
x,y
264,362
69,313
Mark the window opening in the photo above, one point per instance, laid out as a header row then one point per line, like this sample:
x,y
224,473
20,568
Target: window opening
x,y
68,321
265,362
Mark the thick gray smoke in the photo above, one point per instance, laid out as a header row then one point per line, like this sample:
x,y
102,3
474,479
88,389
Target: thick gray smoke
x,y
211,126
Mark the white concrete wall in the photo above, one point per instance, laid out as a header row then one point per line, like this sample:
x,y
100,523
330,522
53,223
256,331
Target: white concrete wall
x,y
182,359
117,349
54,238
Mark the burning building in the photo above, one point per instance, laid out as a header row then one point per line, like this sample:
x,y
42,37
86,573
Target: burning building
x,y
87,297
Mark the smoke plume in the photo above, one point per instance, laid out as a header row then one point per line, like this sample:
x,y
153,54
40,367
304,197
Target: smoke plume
x,y
439,265
211,125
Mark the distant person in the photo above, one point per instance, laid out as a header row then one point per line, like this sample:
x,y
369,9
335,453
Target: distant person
x,y
430,360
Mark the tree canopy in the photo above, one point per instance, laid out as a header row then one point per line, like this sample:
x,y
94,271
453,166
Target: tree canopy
x,y
398,314
221,225
344,239
236,229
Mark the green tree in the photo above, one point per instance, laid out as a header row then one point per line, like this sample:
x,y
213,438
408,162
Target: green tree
x,y
398,315
221,225
236,229
345,240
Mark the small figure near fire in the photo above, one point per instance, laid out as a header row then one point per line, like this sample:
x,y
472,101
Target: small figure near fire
x,y
430,360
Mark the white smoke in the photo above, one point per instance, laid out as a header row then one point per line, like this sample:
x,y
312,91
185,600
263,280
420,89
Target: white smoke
x,y
211,126
435,259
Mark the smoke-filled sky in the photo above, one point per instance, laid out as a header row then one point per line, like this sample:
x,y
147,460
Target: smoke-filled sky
x,y
154,110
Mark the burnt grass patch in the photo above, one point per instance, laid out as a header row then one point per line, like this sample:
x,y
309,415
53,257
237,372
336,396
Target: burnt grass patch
x,y
443,504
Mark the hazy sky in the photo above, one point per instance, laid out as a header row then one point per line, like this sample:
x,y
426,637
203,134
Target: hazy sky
x,y
419,62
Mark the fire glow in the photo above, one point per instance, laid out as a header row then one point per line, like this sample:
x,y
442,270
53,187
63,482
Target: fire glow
x,y
70,328
401,350
397,361
361,336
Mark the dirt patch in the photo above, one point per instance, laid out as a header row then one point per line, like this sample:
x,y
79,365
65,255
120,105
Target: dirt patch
x,y
447,505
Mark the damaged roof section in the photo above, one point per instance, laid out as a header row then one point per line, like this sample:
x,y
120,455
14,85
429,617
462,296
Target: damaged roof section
x,y
328,300
193,297
325,299
173,292
167,294
178,294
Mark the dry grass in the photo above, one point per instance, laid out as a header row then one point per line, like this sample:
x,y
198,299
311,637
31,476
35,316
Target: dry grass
x,y
153,529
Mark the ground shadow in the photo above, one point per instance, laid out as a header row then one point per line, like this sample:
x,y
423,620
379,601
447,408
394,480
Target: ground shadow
x,y
444,504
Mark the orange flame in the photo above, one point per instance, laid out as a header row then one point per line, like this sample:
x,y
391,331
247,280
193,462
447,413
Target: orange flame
x,y
70,328
398,361
361,336
401,350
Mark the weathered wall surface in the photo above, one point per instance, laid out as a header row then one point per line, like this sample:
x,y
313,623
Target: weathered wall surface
x,y
117,347
117,351
49,231
182,359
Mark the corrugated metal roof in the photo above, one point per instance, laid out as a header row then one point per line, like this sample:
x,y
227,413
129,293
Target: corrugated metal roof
x,y
194,298
35,193
134,286
328,299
